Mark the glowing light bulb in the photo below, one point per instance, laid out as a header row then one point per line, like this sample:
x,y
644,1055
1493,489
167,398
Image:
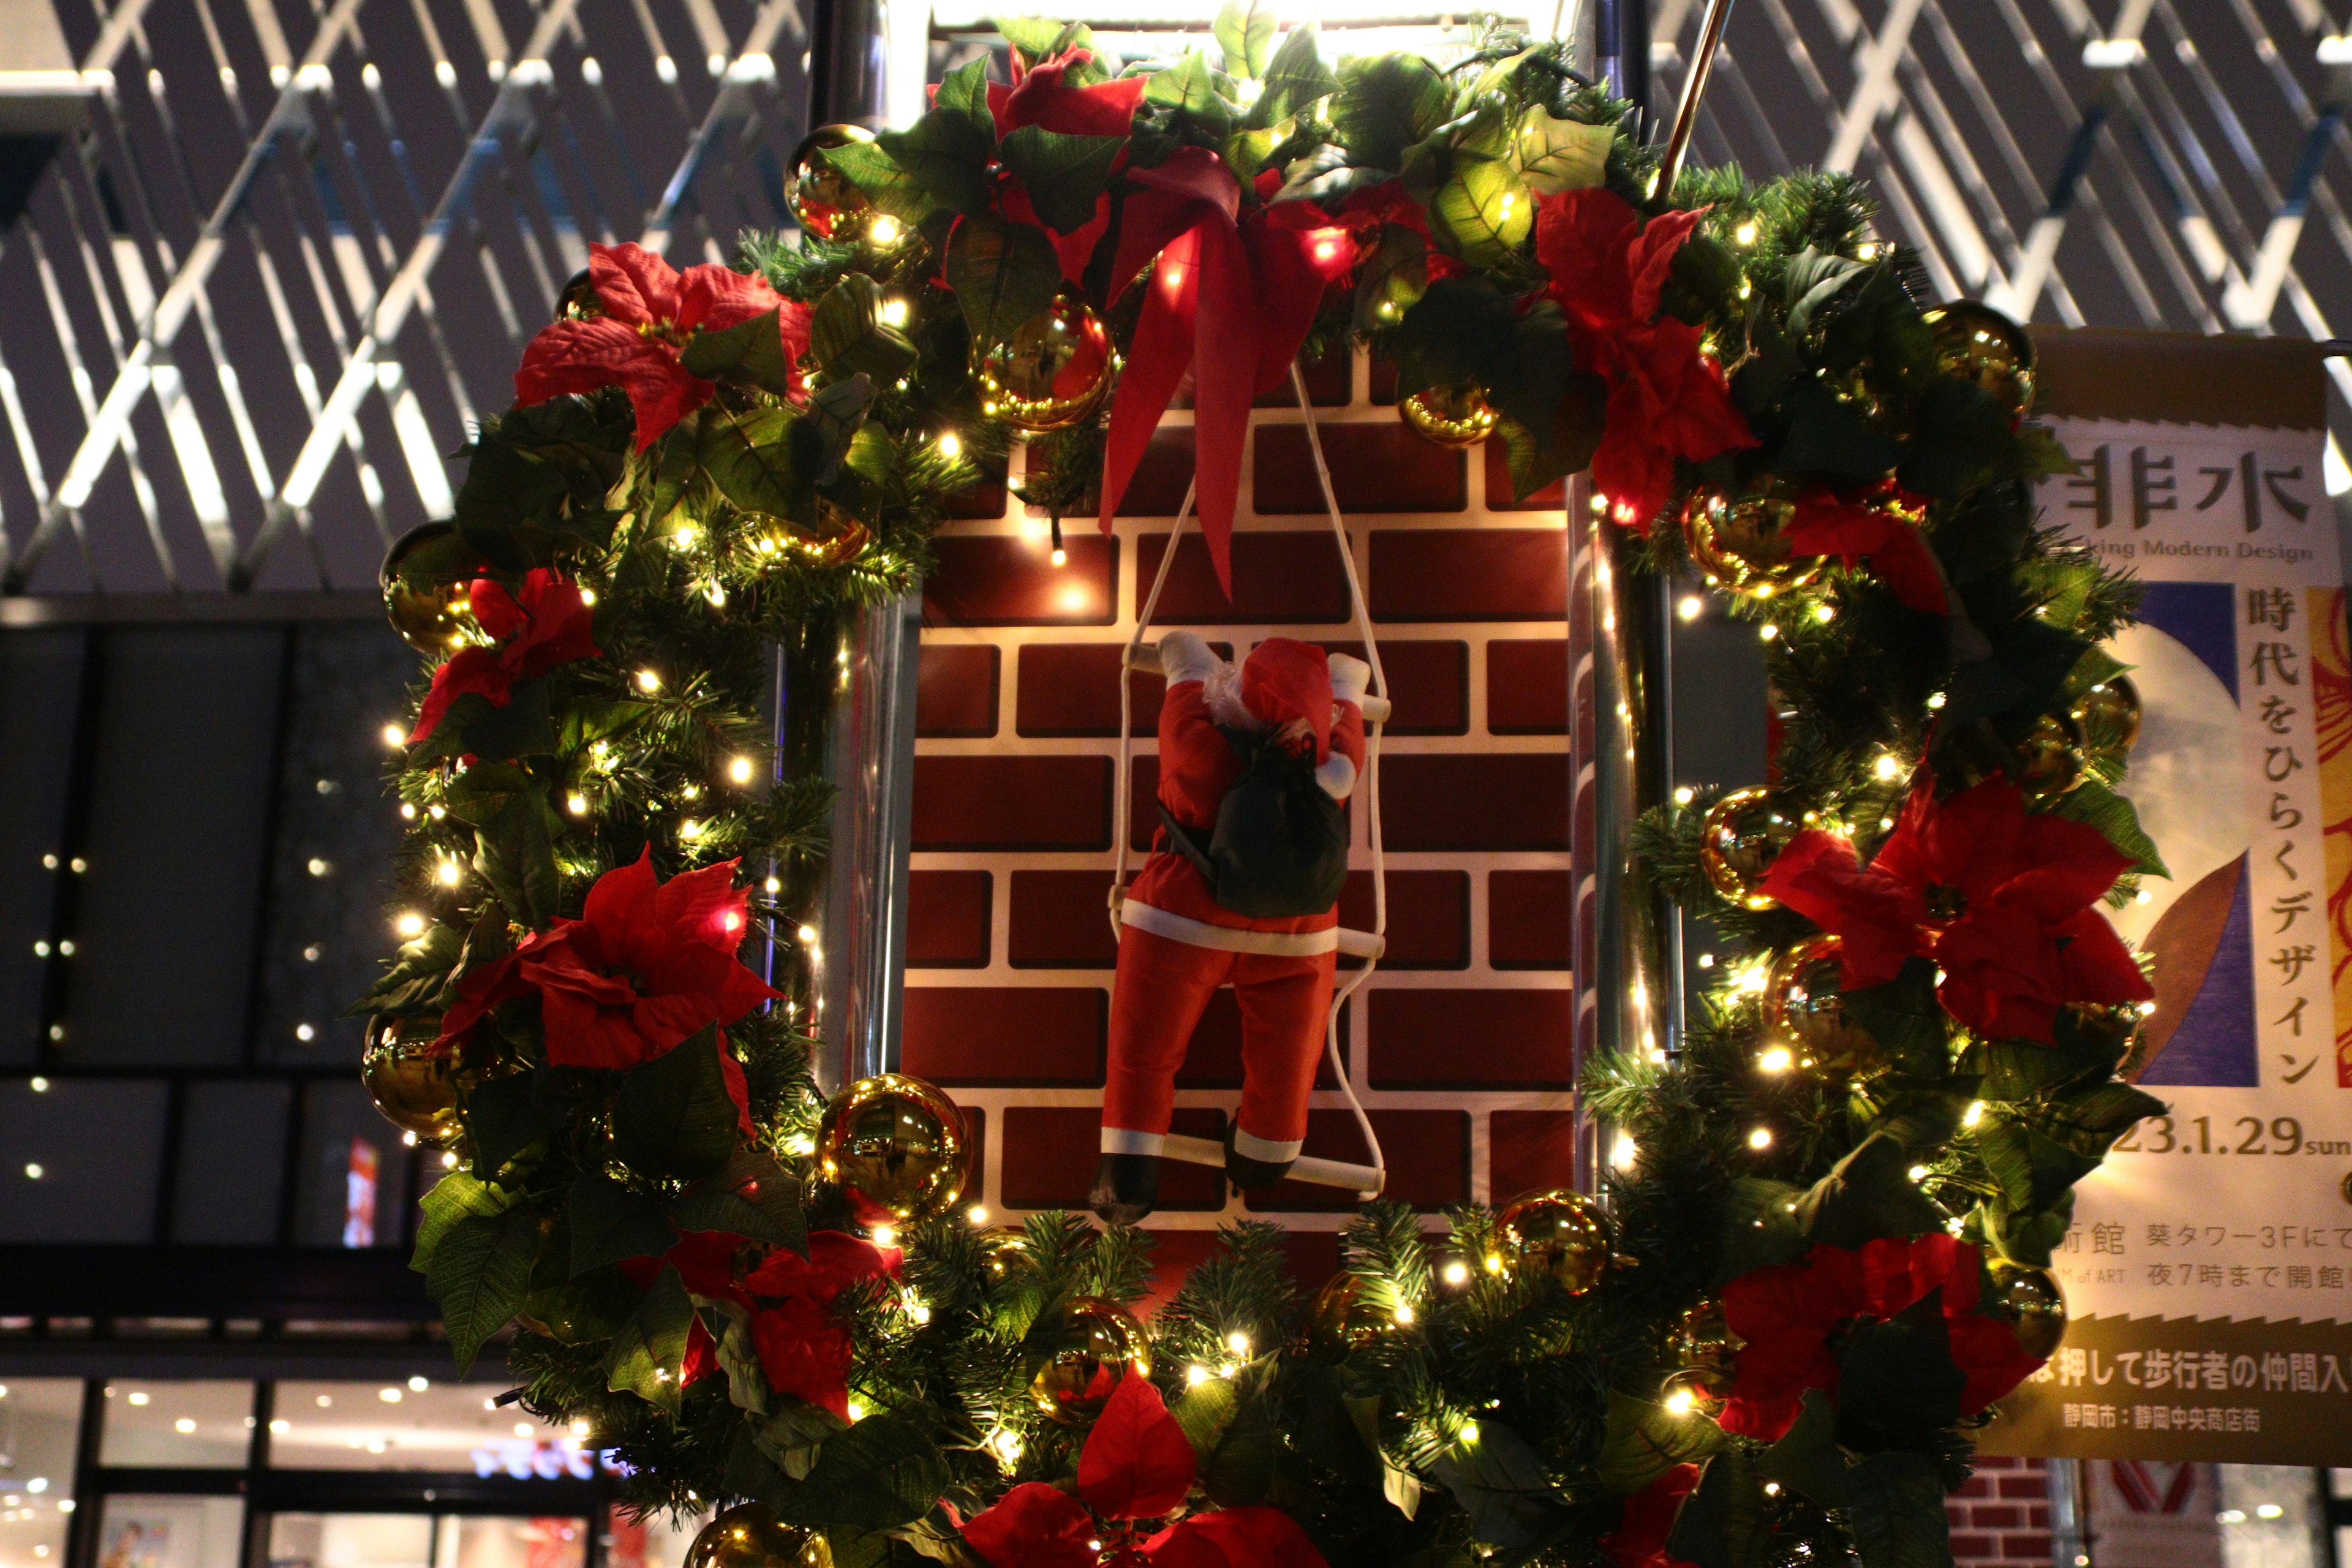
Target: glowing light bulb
x,y
1934,702
587,595
885,230
1404,1314
1888,768
1745,234
450,873
648,681
1238,1343
409,924
858,1410
1918,1172
576,803
893,312
1623,1152
1974,1114
739,770
1768,631
1684,795
950,445
1061,556
1761,1139
886,1235
1681,1401
407,812
1690,606
394,735
1776,1060
1824,614
690,828
1456,1272
807,933
772,885
1469,1432
1196,1375
977,1214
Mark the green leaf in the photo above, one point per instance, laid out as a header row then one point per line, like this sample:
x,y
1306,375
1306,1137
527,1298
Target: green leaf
x,y
748,459
947,151
2097,1116
1296,81
1189,89
514,852
1723,1524
1897,1515
504,1116
2093,805
880,180
1867,1195
795,1434
749,354
673,1116
1807,1460
477,1272
750,1196
1555,154
1036,38
883,1472
1244,31
846,333
1239,1471
1385,104
1960,438
1642,1441
648,1353
1204,1414
1813,280
1393,279
1503,1485
418,974
458,1195
1003,273
1760,1227
1479,201
610,1224
1896,1383
1064,176
1905,1020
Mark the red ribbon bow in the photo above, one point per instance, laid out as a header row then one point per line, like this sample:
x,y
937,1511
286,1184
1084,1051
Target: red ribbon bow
x,y
1232,297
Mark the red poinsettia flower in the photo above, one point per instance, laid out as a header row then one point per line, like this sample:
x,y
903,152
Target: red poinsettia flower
x,y
1641,1541
2002,898
1794,1317
649,964
1667,395
1137,1465
1043,97
1871,529
651,311
548,626
802,1345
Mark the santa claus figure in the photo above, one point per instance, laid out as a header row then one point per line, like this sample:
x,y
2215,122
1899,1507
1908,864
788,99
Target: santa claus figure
x,y
1242,889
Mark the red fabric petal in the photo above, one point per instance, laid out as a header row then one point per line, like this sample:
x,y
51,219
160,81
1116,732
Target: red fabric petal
x,y
1034,1526
805,1352
1651,256
621,910
1629,467
711,298
1641,1541
636,286
1240,1537
1044,98
480,991
471,670
1582,239
1877,918
1137,1463
583,356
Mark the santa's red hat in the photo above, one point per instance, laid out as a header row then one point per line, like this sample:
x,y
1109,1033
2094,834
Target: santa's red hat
x,y
1285,679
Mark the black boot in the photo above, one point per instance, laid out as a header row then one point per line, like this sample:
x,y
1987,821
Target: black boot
x,y
1126,1188
1247,1174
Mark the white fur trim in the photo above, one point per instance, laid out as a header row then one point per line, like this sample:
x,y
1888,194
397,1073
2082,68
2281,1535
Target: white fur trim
x,y
1222,692
1126,1141
1265,1149
1350,678
1227,939
1184,657
1337,775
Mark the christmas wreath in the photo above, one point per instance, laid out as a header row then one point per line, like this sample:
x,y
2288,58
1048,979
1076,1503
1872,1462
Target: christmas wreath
x,y
1821,1250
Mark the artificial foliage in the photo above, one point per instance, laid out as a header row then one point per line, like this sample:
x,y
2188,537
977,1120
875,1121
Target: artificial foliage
x,y
1763,1343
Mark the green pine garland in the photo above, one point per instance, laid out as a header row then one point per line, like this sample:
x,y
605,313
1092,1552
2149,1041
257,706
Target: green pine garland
x,y
1450,1401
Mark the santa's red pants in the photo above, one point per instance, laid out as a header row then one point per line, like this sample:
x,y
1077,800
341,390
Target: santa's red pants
x,y
1163,987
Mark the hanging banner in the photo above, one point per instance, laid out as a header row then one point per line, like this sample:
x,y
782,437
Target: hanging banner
x,y
2208,1272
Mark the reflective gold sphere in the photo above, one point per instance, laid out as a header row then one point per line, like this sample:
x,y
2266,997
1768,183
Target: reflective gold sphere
x,y
1978,343
820,196
1097,1345
1705,1347
895,1146
2049,761
1456,416
416,1089
1341,1320
1742,545
1557,1231
431,618
2109,713
1054,372
1737,840
1803,1007
749,1536
2030,1300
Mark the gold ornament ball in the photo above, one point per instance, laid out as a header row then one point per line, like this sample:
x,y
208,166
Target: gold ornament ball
x,y
2109,713
1737,840
578,300
1804,1008
2049,761
1559,1232
416,1089
1054,372
1978,343
895,1146
1341,1320
2030,1300
1098,1344
1454,416
820,196
1705,1347
749,1536
1742,544
431,619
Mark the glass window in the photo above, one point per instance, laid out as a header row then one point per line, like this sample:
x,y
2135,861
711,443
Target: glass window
x,y
448,1428
654,1542
78,1159
492,1542
206,1425
169,1532
232,1161
354,1183
39,1420
351,1541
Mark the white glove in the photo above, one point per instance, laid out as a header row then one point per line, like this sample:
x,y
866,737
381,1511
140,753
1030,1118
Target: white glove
x,y
1184,657
1350,678
1337,775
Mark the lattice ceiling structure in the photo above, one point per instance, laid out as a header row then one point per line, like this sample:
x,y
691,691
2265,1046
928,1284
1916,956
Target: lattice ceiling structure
x,y
252,304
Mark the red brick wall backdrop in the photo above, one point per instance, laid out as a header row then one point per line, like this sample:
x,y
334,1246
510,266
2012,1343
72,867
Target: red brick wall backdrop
x,y
1460,1046
2000,1516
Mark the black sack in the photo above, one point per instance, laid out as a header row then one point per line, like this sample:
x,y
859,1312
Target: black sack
x,y
1280,847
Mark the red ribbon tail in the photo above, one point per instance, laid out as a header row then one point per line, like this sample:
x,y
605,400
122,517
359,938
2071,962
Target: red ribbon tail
x,y
1226,366
1155,366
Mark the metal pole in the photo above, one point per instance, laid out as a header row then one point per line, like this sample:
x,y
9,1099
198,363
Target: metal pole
x,y
1710,39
